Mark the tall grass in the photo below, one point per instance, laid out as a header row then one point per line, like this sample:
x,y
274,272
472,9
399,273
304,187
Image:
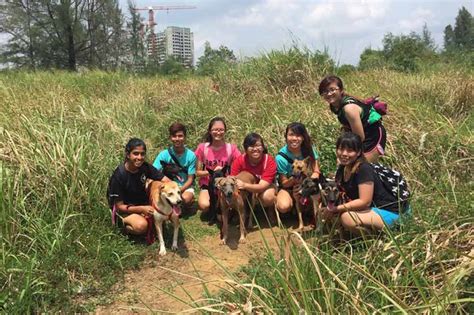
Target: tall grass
x,y
62,135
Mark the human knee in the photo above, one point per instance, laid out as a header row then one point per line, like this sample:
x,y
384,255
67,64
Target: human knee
x,y
187,198
139,226
348,222
283,205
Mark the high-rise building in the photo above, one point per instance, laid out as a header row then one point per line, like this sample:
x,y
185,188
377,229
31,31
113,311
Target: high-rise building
x,y
178,42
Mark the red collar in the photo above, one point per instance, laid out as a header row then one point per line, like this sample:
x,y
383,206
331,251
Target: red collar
x,y
159,211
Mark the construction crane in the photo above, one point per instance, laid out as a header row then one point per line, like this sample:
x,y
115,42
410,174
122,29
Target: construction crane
x,y
151,22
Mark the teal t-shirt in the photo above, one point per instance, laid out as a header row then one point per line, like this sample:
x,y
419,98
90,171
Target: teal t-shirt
x,y
187,160
283,166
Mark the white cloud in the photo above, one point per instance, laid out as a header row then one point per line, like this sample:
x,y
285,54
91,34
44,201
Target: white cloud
x,y
416,20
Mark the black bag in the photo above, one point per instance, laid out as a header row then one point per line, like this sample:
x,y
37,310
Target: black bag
x,y
394,183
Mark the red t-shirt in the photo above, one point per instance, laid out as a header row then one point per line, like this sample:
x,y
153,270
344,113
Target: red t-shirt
x,y
265,170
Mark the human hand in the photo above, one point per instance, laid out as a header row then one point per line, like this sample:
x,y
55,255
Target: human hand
x,y
240,184
148,210
218,168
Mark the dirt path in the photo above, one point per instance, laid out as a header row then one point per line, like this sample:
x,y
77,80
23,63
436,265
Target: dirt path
x,y
184,273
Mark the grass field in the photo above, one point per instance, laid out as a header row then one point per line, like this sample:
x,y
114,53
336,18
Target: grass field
x,y
62,134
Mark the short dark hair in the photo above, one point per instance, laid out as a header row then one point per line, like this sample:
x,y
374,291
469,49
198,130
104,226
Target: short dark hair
x,y
323,85
251,139
177,127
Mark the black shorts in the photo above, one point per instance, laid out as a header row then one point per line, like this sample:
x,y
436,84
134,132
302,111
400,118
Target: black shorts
x,y
375,138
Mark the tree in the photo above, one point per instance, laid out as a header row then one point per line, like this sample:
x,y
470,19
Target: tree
x,y
135,39
372,59
428,41
214,58
172,65
63,33
461,37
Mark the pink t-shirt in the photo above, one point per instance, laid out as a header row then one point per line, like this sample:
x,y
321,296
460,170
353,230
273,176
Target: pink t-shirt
x,y
215,158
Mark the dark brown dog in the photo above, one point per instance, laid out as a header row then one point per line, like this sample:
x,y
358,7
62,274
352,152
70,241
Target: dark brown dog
x,y
230,197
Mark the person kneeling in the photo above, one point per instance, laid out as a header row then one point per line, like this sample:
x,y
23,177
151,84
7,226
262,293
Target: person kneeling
x,y
371,206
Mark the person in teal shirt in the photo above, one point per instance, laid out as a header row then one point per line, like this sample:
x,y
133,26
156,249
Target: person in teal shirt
x,y
184,161
298,147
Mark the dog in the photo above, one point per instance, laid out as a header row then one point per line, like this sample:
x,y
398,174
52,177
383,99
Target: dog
x,y
165,198
311,188
301,169
213,201
331,195
171,170
230,197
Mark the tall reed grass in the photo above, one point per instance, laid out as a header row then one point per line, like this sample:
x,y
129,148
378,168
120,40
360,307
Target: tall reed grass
x,y
62,135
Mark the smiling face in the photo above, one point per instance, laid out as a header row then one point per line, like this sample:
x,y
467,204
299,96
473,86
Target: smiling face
x,y
347,156
255,151
178,139
333,94
136,157
217,131
294,141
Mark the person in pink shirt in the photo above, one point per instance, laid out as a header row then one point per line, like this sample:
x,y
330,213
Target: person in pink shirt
x,y
213,155
258,162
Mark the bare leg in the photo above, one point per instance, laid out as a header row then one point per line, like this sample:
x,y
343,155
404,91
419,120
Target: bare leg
x,y
135,224
366,220
204,200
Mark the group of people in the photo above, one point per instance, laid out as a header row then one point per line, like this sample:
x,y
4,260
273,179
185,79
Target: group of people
x,y
362,142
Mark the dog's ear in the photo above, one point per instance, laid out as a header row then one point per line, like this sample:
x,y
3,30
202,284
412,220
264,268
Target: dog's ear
x,y
218,181
148,183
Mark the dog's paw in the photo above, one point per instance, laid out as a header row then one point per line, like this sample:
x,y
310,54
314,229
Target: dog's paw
x,y
223,241
162,252
174,248
242,240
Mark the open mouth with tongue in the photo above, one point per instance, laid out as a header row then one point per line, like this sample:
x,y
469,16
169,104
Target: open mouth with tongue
x,y
176,210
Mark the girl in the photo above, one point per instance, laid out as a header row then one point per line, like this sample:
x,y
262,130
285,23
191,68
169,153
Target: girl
x,y
370,204
256,161
355,116
127,188
213,155
298,146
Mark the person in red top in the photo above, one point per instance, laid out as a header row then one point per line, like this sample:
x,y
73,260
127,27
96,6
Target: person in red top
x,y
258,162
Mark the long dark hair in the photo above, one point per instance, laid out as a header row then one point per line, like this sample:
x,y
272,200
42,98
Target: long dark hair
x,y
352,141
251,139
208,136
300,130
132,144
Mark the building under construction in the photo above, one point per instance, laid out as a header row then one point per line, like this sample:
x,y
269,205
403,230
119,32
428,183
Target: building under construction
x,y
173,41
178,42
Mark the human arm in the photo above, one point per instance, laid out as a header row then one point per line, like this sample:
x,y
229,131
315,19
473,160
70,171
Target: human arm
x,y
253,188
366,193
130,209
352,113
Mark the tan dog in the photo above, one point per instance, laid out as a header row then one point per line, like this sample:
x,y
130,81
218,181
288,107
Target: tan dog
x,y
165,197
301,169
230,197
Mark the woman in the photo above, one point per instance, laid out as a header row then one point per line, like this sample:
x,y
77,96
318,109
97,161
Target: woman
x,y
371,206
298,147
355,116
127,189
256,161
213,155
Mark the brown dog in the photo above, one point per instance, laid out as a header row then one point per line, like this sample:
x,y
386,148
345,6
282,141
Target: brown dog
x,y
301,169
230,197
165,198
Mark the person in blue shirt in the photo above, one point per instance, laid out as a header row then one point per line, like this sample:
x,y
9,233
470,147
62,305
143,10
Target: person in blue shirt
x,y
183,159
298,147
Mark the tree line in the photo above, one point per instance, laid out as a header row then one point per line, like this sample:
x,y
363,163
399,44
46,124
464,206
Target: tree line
x,y
95,34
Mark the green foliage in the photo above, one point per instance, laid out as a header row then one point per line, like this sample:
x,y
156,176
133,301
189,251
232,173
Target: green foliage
x,y
372,59
63,34
461,37
172,65
212,59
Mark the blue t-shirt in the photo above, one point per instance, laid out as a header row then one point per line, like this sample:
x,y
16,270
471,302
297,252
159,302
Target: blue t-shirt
x,y
186,160
283,166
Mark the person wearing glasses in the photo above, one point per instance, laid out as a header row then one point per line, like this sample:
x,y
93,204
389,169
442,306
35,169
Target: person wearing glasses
x,y
260,164
213,155
355,116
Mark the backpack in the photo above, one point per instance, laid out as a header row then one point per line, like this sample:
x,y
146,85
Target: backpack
x,y
394,183
379,106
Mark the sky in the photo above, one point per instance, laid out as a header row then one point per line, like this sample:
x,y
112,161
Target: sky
x,y
342,27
